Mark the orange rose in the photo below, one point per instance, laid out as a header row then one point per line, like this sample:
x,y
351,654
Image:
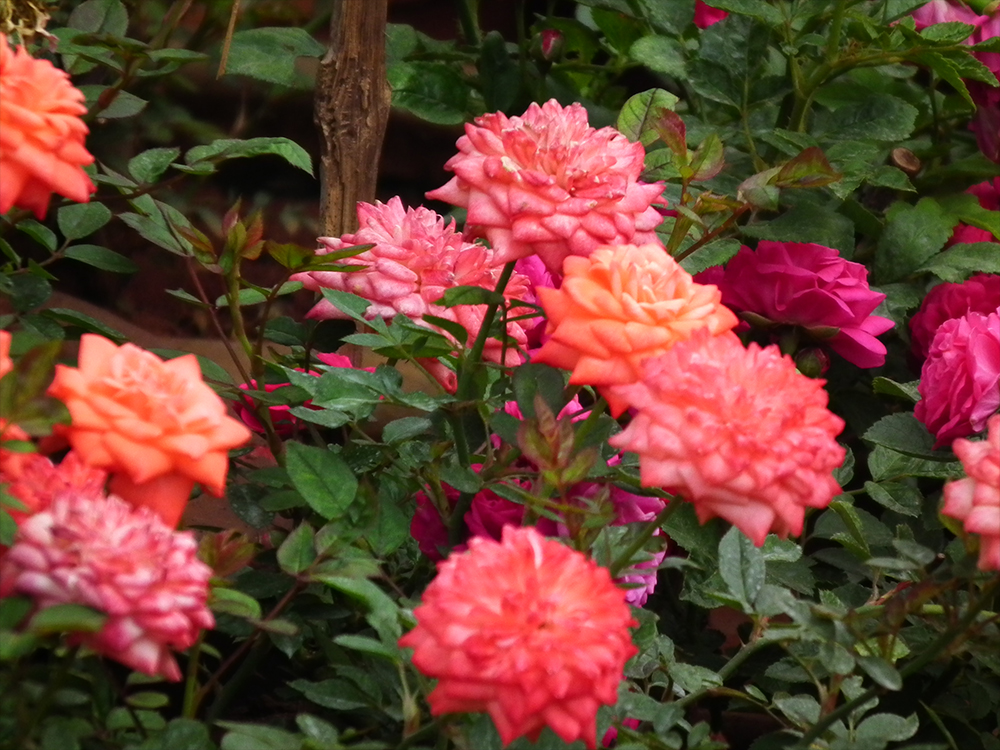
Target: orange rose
x,y
620,306
6,364
41,134
155,423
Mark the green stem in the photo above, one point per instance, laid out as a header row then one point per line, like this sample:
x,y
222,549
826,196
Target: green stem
x,y
926,657
55,684
468,17
428,730
836,24
472,362
191,679
622,561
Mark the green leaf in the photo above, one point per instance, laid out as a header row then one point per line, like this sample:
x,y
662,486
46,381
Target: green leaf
x,y
435,92
13,609
235,148
531,379
742,567
150,164
959,262
124,103
661,54
66,618
323,479
337,694
351,304
884,464
640,114
68,317
147,699
79,220
908,391
715,253
297,552
39,233
259,737
879,117
235,603
885,728
383,613
470,295
498,73
269,54
403,429
912,235
368,646
881,671
157,232
101,257
179,734
807,223
903,433
759,9
896,496
100,16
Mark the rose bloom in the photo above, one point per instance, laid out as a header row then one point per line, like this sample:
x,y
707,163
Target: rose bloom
x,y
41,134
619,307
155,424
945,11
527,630
946,301
122,561
810,286
548,183
34,480
975,500
737,432
416,258
960,381
986,123
705,15
6,363
988,194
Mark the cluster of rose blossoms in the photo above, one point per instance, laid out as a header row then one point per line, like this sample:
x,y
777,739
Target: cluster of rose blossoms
x,y
735,430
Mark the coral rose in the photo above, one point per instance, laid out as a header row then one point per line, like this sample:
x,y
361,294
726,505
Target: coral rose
x,y
946,301
416,258
6,363
618,307
125,562
975,500
527,630
960,381
811,286
156,424
35,480
41,134
737,432
548,183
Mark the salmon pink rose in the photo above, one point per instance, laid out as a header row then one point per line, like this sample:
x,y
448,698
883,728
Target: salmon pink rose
x,y
527,630
416,258
960,381
547,183
737,432
154,424
41,134
618,307
810,286
975,500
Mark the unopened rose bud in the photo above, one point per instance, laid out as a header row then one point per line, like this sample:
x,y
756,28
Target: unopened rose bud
x,y
812,362
551,44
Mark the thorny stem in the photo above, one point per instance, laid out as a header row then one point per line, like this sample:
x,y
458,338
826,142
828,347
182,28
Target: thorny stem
x,y
623,560
709,236
929,654
244,647
192,272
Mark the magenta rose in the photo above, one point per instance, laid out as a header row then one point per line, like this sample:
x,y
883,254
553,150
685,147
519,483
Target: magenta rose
x,y
986,123
988,194
489,513
947,301
810,286
428,528
960,381
705,15
283,421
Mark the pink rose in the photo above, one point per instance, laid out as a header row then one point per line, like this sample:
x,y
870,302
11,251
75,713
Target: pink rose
x,y
705,15
986,124
945,11
490,513
975,500
960,381
988,194
283,421
813,287
947,301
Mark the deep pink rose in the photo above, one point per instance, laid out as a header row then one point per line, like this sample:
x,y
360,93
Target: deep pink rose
x,y
283,421
946,301
988,194
427,527
489,513
960,381
705,15
611,736
986,123
813,287
945,11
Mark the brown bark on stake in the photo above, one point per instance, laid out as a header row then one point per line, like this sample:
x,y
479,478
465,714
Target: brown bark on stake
x,y
352,107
